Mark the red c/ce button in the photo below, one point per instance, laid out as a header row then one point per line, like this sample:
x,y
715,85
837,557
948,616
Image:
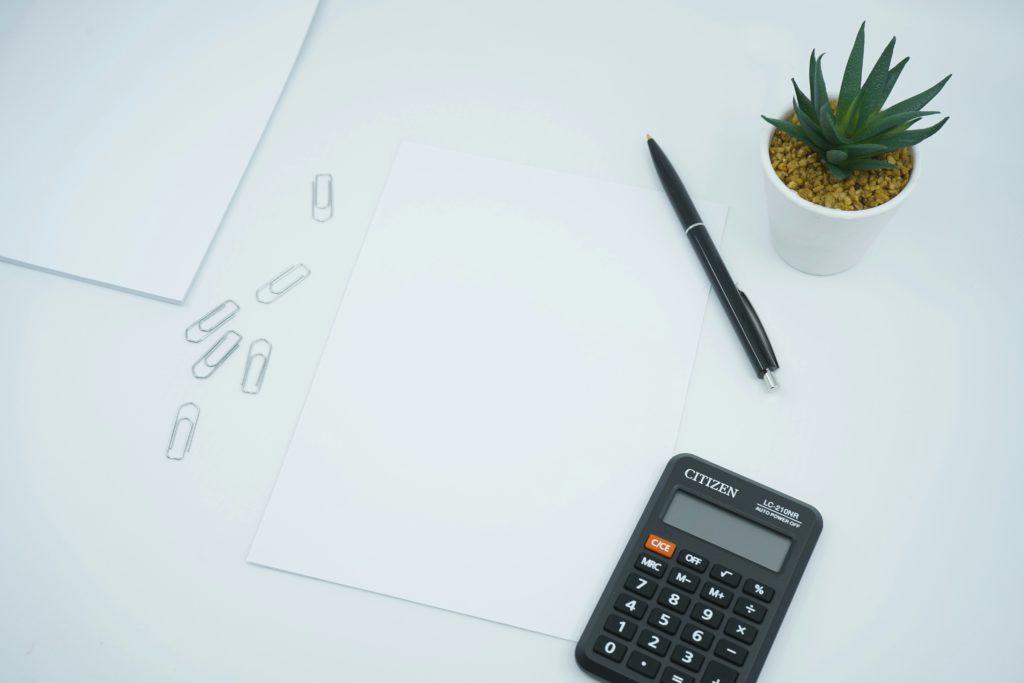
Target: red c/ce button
x,y
660,545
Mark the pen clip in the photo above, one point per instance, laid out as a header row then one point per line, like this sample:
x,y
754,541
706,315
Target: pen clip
x,y
762,336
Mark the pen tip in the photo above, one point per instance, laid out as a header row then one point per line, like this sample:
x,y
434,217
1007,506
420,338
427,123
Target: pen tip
x,y
648,137
769,379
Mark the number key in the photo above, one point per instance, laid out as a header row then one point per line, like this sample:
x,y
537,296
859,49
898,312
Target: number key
x,y
620,627
653,642
687,657
664,621
640,585
751,610
707,615
716,594
631,606
726,576
745,633
674,600
606,647
697,636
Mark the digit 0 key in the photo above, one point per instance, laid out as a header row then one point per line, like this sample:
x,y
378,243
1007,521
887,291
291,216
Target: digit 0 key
x,y
707,577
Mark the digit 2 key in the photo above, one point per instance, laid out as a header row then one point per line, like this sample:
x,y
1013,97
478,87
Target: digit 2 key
x,y
704,582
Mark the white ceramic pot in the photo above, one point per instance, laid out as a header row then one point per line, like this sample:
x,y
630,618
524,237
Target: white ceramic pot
x,y
817,239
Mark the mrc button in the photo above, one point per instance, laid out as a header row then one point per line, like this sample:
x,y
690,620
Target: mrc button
x,y
651,565
659,545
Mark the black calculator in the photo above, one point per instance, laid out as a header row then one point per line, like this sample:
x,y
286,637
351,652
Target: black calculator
x,y
704,582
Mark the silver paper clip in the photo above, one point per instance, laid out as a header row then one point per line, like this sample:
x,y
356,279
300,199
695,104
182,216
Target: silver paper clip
x,y
208,324
323,197
256,366
218,353
281,284
177,447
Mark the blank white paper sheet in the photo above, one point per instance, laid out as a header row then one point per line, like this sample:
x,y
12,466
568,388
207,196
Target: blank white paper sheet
x,y
501,389
126,127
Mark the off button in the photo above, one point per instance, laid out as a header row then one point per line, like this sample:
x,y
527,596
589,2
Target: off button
x,y
659,545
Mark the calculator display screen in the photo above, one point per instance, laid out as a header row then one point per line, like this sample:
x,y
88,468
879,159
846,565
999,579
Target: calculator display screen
x,y
726,530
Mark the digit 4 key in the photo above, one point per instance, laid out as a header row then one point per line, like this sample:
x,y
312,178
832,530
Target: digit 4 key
x,y
704,582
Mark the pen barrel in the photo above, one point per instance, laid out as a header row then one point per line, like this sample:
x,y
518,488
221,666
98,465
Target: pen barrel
x,y
674,188
731,298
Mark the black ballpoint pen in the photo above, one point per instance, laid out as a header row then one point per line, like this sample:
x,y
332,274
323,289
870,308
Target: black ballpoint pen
x,y
744,319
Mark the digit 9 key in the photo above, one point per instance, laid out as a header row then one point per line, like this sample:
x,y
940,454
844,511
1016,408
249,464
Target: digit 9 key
x,y
704,583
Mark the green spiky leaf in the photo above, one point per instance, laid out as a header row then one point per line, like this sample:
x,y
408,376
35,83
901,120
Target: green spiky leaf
x,y
810,128
852,136
836,156
894,75
820,90
909,138
838,172
802,101
791,129
863,150
867,164
919,100
812,81
891,122
873,91
851,76
827,120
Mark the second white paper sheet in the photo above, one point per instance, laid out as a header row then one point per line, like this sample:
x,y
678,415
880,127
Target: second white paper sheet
x,y
501,389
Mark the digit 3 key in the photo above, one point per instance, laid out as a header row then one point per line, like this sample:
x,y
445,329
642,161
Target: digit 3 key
x,y
704,582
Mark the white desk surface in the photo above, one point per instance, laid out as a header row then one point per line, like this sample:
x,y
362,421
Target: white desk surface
x,y
900,416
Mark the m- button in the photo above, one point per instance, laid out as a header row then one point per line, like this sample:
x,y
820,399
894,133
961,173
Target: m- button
x,y
659,545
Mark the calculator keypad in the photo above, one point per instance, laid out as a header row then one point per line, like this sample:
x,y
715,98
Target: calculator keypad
x,y
698,630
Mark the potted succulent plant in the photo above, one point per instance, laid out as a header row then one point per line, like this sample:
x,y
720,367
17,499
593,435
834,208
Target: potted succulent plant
x,y
837,169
